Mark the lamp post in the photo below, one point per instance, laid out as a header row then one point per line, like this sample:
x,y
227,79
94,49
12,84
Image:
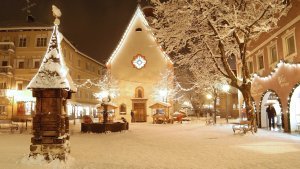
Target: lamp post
x,y
209,96
163,93
226,89
10,93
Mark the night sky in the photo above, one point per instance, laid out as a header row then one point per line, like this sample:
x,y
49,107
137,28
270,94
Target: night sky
x,y
93,26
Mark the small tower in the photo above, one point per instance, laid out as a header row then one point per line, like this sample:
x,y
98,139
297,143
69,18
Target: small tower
x,y
52,86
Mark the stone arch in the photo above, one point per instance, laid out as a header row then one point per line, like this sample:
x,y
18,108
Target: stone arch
x,y
262,115
293,118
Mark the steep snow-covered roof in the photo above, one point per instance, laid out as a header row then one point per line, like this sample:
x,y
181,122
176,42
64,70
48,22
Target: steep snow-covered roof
x,y
137,15
53,72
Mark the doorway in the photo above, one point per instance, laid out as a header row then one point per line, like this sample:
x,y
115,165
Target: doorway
x,y
140,113
271,98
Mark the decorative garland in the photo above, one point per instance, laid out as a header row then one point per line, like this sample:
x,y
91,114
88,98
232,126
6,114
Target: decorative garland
x,y
281,62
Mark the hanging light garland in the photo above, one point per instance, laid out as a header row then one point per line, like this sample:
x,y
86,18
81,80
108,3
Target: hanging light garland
x,y
278,65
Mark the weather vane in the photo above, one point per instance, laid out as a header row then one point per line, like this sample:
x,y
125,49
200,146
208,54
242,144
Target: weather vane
x,y
28,6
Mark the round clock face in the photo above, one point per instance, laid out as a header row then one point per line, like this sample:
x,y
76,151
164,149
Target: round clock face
x,y
139,61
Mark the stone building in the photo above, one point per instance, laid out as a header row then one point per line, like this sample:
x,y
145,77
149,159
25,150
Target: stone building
x,y
273,60
137,64
22,47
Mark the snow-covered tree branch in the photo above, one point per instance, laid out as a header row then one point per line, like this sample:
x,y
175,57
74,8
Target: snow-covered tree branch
x,y
198,31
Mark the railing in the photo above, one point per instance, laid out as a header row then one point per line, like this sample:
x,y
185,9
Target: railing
x,y
3,92
8,70
7,46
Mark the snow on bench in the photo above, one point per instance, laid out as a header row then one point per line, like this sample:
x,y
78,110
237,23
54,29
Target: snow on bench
x,y
8,124
242,126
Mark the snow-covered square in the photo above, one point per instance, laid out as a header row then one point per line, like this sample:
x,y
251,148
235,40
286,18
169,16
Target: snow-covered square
x,y
163,146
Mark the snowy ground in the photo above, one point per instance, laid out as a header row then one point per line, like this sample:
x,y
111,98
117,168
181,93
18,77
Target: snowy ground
x,y
163,146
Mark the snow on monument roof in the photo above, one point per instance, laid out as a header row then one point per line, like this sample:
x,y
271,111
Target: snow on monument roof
x,y
53,73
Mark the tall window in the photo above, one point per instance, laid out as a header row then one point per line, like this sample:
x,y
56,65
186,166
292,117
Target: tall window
x,y
21,64
260,59
4,63
2,110
139,92
22,41
36,64
3,85
290,45
41,42
250,67
19,86
123,108
273,54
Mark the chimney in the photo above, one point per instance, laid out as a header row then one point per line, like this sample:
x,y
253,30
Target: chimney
x,y
30,18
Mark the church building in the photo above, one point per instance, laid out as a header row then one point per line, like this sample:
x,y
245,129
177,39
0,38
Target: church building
x,y
138,63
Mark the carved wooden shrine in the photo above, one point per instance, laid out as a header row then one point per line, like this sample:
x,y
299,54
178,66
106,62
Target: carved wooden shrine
x,y
50,124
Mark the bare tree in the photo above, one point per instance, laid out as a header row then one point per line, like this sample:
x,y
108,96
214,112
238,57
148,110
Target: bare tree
x,y
197,30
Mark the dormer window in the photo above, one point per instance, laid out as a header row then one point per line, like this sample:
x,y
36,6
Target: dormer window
x,y
138,30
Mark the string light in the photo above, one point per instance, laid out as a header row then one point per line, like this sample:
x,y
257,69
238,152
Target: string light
x,y
275,70
183,89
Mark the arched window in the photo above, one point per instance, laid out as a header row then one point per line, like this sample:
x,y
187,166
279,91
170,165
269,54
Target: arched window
x,y
139,92
138,30
123,108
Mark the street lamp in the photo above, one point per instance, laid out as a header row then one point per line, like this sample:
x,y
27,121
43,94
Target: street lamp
x,y
226,89
163,93
10,93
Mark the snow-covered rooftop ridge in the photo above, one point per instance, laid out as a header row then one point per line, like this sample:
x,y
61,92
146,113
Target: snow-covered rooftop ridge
x,y
137,14
53,72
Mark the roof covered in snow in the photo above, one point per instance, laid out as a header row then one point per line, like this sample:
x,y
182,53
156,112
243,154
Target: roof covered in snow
x,y
137,15
53,72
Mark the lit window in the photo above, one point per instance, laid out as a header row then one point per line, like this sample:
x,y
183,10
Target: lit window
x,y
260,62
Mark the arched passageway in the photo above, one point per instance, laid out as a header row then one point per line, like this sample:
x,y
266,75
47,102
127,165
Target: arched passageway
x,y
270,98
294,109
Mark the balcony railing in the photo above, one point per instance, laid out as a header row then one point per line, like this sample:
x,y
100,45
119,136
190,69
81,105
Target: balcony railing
x,y
3,92
7,70
7,46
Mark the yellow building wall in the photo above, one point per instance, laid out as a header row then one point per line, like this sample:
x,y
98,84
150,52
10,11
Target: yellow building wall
x,y
81,66
129,77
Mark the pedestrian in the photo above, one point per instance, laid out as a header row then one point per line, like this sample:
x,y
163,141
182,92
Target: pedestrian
x,y
132,116
271,114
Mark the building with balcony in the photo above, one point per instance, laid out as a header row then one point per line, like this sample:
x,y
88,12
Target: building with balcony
x,y
22,47
273,60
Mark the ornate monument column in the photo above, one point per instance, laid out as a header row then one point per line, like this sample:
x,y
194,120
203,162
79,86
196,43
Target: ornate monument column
x,y
52,86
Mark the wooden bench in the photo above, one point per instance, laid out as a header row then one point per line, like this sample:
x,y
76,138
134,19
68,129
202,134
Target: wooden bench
x,y
242,126
8,124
